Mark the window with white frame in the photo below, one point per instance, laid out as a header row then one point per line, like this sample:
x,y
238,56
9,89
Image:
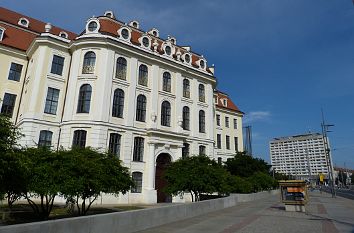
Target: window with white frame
x,y
51,102
45,138
138,181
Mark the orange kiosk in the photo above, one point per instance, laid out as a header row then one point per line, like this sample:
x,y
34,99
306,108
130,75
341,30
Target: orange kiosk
x,y
294,194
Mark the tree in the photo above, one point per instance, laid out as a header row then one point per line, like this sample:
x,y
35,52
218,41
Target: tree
x,y
196,175
11,174
244,165
240,185
9,134
88,172
45,179
14,176
262,181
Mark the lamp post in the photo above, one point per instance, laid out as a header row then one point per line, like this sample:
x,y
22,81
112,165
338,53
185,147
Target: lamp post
x,y
325,130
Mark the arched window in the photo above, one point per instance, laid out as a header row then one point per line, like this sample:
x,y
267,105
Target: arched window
x,y
186,117
185,150
166,82
143,75
141,108
45,138
118,103
121,68
79,139
201,121
201,93
138,181
165,113
89,63
186,88
83,105
114,144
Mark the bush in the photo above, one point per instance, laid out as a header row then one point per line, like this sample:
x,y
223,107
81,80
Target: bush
x,y
239,185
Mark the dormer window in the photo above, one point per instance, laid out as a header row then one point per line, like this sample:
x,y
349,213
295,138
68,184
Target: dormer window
x,y
63,35
154,32
224,102
172,40
93,25
2,32
124,33
134,24
145,41
187,58
23,22
109,14
168,50
201,63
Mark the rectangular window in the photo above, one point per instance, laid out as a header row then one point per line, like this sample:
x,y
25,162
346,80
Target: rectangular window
x,y
8,104
185,150
218,120
218,141
138,152
79,139
51,102
235,123
227,142
114,144
57,65
45,138
236,144
202,150
227,123
15,72
138,181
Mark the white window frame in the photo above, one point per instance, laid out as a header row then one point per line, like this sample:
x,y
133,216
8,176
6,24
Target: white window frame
x,y
2,33
24,25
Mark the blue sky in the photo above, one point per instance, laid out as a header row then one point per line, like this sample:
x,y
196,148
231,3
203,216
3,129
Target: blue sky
x,y
281,61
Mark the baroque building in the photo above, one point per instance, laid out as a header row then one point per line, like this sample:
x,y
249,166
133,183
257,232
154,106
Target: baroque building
x,y
117,88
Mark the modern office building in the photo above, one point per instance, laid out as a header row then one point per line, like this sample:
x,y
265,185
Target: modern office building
x,y
299,155
114,87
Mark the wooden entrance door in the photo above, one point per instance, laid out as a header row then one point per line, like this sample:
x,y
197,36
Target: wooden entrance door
x,y
162,161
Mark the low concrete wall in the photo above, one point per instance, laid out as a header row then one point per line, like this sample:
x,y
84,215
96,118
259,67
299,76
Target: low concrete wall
x,y
131,221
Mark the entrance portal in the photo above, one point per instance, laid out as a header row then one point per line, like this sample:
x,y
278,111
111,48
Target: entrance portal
x,y
162,161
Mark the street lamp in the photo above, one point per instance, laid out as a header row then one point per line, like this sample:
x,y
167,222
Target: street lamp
x,y
325,130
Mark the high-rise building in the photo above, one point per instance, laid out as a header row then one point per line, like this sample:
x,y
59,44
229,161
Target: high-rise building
x,y
299,155
114,87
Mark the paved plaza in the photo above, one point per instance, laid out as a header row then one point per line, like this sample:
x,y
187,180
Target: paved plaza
x,y
323,214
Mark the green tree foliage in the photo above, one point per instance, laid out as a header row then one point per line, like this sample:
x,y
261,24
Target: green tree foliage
x,y
45,179
239,185
196,175
14,180
9,134
245,166
88,173
11,175
261,181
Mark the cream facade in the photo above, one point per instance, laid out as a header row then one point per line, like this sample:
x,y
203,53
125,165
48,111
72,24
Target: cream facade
x,y
115,88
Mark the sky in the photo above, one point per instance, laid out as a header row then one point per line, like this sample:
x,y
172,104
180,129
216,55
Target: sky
x,y
281,61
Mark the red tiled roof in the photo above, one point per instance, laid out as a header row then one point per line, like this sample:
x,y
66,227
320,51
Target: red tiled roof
x,y
16,38
19,38
230,105
111,26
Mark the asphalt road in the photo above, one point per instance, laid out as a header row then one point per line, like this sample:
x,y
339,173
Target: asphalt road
x,y
346,193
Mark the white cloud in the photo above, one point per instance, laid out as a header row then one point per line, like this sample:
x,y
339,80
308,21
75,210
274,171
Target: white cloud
x,y
256,116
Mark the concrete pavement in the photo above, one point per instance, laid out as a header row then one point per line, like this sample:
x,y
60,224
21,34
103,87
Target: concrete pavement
x,y
323,214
